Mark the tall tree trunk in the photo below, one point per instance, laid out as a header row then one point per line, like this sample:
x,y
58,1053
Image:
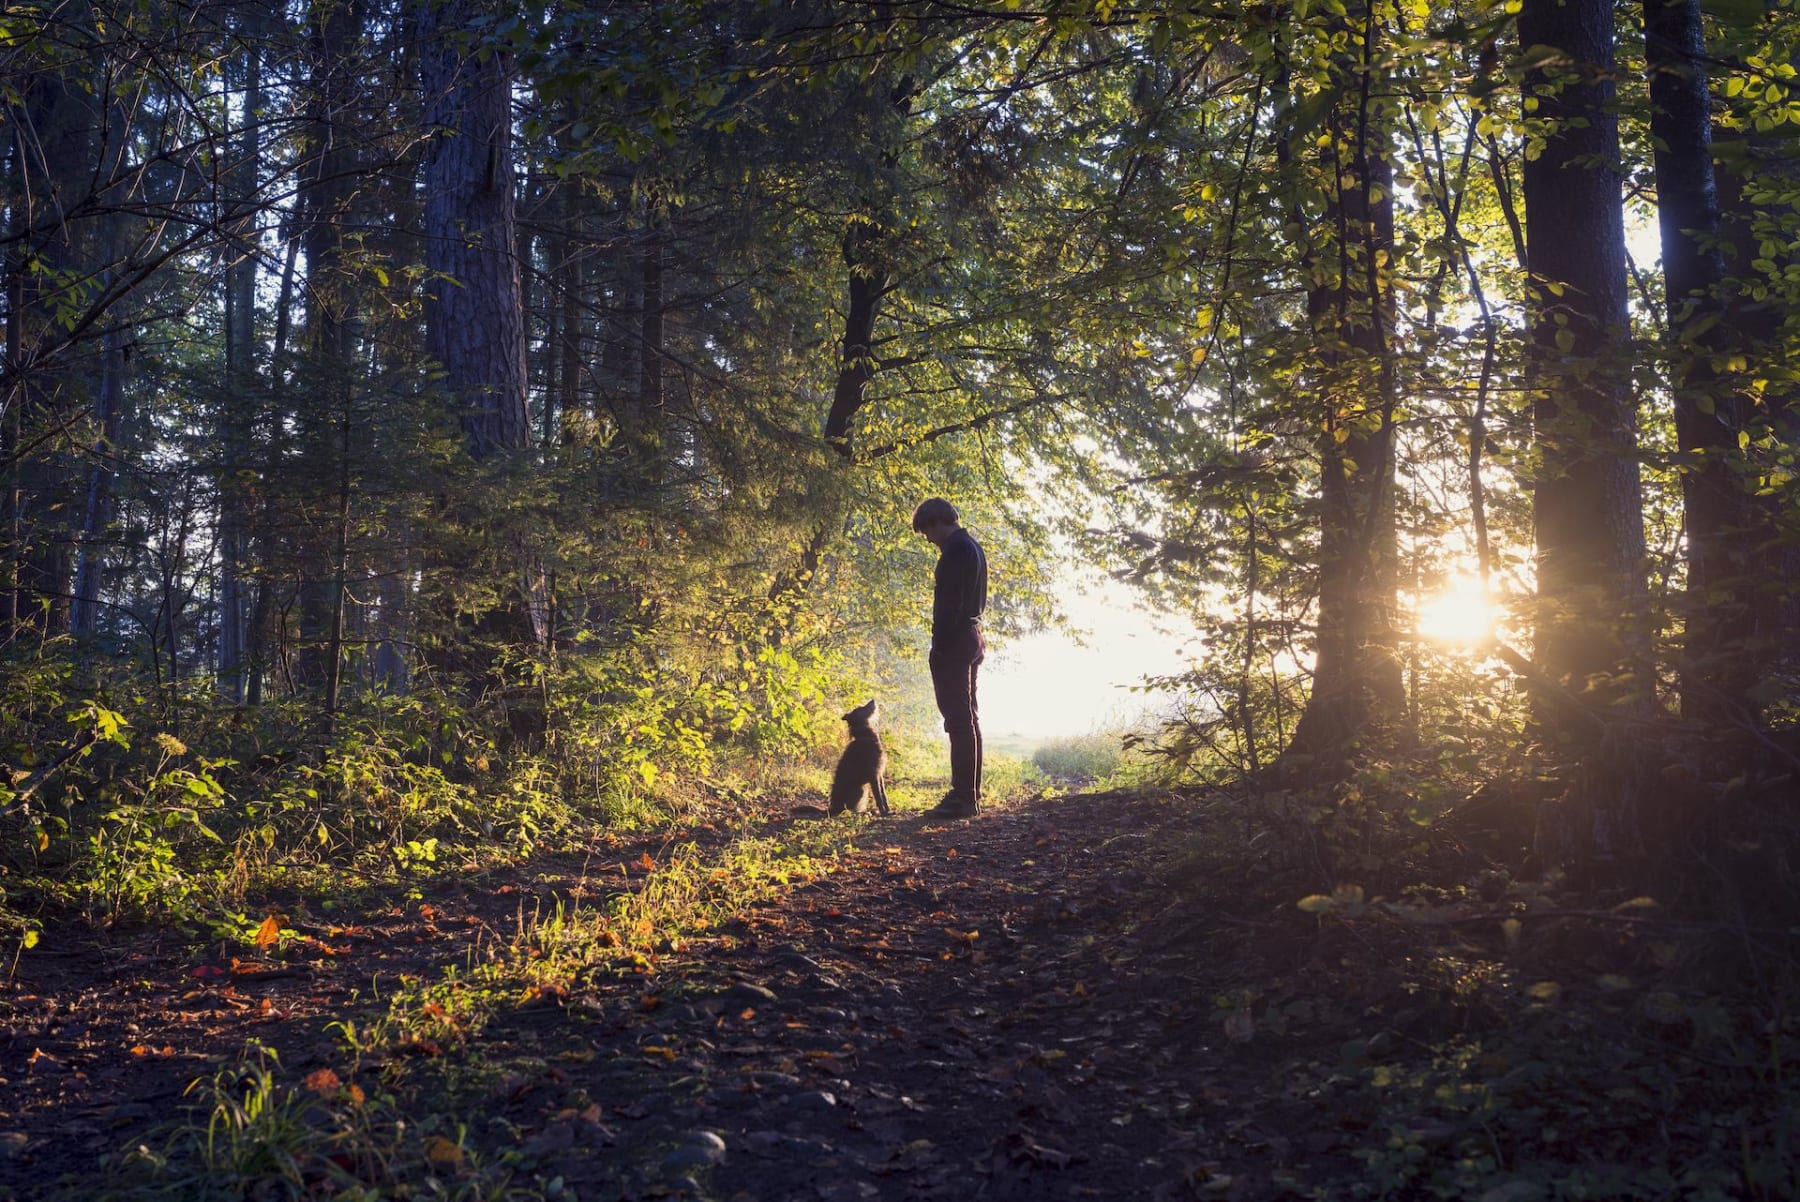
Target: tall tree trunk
x,y
475,321
1760,331
646,432
571,329
1357,684
97,508
257,651
240,373
475,325
90,558
53,158
326,201
1590,619
1717,668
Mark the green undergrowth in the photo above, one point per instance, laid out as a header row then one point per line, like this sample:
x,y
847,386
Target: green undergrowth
x,y
1438,1024
392,1118
124,802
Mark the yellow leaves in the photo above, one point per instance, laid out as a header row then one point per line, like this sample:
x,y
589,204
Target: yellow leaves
x,y
444,1153
656,1051
966,938
1346,899
269,933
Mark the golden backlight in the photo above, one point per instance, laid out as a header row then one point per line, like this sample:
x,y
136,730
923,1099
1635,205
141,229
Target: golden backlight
x,y
1461,614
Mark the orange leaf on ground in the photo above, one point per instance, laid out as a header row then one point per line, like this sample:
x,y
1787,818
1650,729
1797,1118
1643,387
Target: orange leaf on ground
x,y
323,1082
646,863
269,932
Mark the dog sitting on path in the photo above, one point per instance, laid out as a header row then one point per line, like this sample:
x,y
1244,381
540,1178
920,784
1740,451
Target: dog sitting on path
x,y
860,770
862,766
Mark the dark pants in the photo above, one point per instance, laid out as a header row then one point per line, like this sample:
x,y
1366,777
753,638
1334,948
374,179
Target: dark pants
x,y
953,671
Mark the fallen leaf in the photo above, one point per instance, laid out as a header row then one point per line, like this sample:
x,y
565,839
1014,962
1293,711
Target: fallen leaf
x,y
269,933
323,1082
443,1152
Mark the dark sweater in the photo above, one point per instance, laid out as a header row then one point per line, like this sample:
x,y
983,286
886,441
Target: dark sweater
x,y
960,593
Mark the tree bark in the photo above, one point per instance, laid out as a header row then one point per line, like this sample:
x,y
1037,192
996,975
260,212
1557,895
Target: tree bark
x,y
53,155
1590,620
475,326
1717,668
326,201
240,373
1357,682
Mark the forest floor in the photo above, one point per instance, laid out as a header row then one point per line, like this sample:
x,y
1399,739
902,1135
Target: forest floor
x,y
1018,1006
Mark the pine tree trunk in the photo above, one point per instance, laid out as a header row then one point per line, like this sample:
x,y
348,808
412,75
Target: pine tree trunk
x,y
475,325
331,324
240,372
53,155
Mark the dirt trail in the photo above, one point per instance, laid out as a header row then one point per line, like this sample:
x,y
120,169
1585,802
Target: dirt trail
x,y
962,1009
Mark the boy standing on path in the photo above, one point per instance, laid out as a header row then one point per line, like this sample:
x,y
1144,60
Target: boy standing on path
x,y
957,648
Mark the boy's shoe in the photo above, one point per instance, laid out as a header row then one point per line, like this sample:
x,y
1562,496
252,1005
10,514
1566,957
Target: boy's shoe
x,y
954,805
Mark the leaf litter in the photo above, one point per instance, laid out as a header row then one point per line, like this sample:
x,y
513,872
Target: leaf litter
x,y
1006,1008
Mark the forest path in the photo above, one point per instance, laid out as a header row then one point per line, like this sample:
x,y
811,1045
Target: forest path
x,y
958,1009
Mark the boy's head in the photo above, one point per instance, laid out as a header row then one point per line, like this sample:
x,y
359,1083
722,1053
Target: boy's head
x,y
933,517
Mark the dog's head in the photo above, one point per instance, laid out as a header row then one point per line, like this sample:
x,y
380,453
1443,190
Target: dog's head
x,y
862,715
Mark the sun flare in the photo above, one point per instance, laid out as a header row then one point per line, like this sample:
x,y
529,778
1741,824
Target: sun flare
x,y
1462,613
